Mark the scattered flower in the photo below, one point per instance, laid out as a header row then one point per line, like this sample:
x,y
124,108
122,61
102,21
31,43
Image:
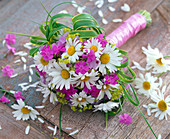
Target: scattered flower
x,y
106,107
27,130
125,7
0,127
125,118
23,111
7,71
4,99
68,128
18,96
10,39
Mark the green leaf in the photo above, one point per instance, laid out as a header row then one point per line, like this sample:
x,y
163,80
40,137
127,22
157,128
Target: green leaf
x,y
85,33
37,42
33,51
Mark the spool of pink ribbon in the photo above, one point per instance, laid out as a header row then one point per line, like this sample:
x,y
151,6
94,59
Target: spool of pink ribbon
x,y
129,28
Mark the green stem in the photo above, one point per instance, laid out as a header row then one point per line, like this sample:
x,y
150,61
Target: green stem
x,y
160,74
6,91
147,122
166,56
106,119
120,104
60,121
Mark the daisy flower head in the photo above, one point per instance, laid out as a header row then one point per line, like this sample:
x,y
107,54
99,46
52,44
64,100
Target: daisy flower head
x,y
109,59
61,76
94,45
47,92
146,85
42,64
81,99
86,79
155,59
105,90
73,49
106,107
23,111
162,106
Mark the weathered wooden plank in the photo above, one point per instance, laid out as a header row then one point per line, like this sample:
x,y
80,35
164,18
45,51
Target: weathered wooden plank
x,y
3,3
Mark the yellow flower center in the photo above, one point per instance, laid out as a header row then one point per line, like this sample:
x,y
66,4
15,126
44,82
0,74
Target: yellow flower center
x,y
107,87
43,62
162,105
71,50
25,110
65,74
146,85
85,79
81,99
159,61
104,58
94,48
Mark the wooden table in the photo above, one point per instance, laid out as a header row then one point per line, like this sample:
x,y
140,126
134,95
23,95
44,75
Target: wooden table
x,y
16,16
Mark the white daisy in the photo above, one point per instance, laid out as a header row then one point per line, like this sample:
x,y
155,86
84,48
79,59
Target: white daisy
x,y
94,45
146,85
41,64
73,49
155,59
46,91
106,107
87,79
61,76
105,90
81,99
23,111
162,106
109,59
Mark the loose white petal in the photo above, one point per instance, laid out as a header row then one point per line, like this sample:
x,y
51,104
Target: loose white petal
x,y
41,120
27,46
30,78
25,67
69,128
17,61
52,116
14,75
111,9
104,21
99,3
74,132
27,130
23,59
51,128
74,3
3,42
39,107
55,130
63,11
21,84
100,13
31,71
159,136
12,91
0,127
32,66
117,20
21,53
34,84
110,1
25,88
138,66
125,7
80,9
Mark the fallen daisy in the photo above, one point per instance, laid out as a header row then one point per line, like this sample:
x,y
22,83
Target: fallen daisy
x,y
104,21
23,111
155,59
146,85
111,9
138,66
117,20
27,130
17,61
74,132
99,3
125,7
162,106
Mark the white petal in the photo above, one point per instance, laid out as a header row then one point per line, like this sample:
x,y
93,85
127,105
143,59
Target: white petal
x,y
159,136
17,61
110,1
41,120
125,7
117,20
51,128
27,130
31,71
23,59
111,9
138,66
15,75
55,130
39,107
0,127
104,21
3,42
25,67
100,13
74,132
30,78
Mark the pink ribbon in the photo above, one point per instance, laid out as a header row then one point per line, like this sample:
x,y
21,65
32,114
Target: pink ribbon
x,y
128,29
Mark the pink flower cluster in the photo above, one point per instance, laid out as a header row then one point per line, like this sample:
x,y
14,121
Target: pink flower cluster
x,y
4,99
10,39
7,71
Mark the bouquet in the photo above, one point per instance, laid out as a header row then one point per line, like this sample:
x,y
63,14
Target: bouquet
x,y
82,67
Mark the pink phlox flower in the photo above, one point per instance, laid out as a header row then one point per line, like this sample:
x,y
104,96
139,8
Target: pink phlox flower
x,y
4,99
86,90
10,39
40,72
126,119
90,56
81,67
100,39
47,53
94,91
57,49
10,49
94,64
111,79
7,71
18,96
128,86
61,41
